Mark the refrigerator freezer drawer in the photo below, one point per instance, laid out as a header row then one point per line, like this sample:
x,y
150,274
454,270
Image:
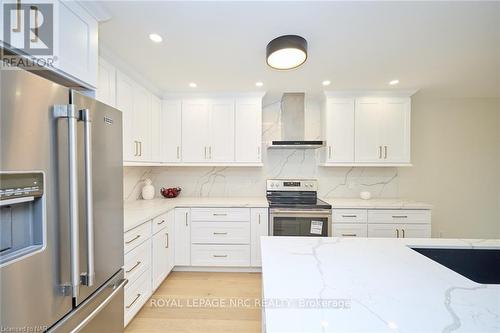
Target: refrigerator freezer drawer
x,y
102,312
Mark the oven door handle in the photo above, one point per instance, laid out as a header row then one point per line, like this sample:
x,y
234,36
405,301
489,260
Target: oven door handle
x,y
301,212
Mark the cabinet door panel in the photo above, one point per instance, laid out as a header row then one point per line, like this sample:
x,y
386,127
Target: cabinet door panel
x,y
339,124
125,102
395,120
182,233
384,230
416,231
106,83
259,227
160,258
367,130
248,131
171,240
195,131
221,147
155,142
78,34
170,131
349,230
142,122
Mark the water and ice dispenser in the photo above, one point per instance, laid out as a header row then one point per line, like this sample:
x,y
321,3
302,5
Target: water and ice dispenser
x,y
21,214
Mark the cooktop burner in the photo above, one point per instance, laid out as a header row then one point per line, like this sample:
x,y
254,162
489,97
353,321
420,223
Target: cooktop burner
x,y
294,193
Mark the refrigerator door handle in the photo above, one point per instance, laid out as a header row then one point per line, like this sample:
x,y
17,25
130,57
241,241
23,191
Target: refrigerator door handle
x,y
68,112
88,278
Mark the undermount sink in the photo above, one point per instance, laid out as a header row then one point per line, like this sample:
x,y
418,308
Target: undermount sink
x,y
478,265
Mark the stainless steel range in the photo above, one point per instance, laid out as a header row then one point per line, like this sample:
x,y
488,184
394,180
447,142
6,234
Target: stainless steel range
x,y
295,210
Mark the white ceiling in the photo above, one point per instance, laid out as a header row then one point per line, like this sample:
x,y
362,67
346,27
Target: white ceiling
x,y
443,48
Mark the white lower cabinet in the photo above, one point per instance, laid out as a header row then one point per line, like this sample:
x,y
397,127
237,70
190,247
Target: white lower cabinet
x,y
259,227
136,294
220,255
182,232
162,248
350,230
388,223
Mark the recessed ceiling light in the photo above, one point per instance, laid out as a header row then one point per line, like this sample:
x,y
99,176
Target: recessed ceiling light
x,y
259,84
326,83
394,82
193,85
286,52
155,38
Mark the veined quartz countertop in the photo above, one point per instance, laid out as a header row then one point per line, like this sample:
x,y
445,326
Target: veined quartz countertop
x,y
140,211
371,285
395,203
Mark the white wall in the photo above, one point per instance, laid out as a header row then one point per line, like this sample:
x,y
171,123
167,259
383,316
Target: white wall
x,y
456,164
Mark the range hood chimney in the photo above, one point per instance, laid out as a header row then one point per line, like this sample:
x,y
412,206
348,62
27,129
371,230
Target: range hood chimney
x,y
293,124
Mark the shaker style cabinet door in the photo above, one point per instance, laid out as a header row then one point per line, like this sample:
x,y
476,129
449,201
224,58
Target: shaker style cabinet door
x,y
338,130
368,114
395,130
160,252
221,146
106,83
170,131
248,131
125,103
195,130
78,43
182,232
142,123
259,226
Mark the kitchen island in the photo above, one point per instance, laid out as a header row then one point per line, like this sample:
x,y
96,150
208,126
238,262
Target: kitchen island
x,y
371,285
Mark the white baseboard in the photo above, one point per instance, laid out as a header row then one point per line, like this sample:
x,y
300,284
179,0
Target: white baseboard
x,y
217,269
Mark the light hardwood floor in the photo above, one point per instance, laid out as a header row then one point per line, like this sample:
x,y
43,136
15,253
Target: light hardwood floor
x,y
233,304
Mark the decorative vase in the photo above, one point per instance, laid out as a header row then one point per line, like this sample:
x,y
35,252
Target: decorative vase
x,y
148,191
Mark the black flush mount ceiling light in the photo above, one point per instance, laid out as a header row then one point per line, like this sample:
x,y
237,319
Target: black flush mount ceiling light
x,y
286,52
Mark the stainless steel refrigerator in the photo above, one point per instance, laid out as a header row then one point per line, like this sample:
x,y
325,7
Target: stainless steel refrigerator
x,y
61,204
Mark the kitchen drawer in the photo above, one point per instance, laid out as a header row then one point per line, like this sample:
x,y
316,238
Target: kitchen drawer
x,y
220,233
350,230
220,214
399,216
137,261
160,222
136,295
349,215
220,255
136,236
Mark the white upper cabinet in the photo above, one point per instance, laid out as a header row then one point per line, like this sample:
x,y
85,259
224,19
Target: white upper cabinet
x,y
78,43
195,130
366,131
106,83
221,145
141,124
382,130
338,130
125,103
248,130
170,131
156,127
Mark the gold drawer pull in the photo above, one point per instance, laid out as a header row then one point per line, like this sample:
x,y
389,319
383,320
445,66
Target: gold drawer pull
x,y
135,300
349,235
220,233
134,267
133,239
220,255
160,223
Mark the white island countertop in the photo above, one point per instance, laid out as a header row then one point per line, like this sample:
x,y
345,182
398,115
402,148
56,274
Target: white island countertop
x,y
140,211
371,285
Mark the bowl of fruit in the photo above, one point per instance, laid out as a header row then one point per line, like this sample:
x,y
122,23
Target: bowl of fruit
x,y
171,192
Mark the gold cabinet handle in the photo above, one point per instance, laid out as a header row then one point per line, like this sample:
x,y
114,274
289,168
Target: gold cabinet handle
x,y
349,235
329,151
385,152
210,152
186,219
133,239
140,148
352,216
397,233
134,267
219,214
259,218
258,153
403,230
399,216
166,246
220,255
380,152
220,233
133,302
178,152
160,223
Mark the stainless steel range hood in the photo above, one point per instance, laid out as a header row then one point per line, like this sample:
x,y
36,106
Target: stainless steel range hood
x,y
293,124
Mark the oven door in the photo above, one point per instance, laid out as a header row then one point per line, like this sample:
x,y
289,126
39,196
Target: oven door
x,y
294,222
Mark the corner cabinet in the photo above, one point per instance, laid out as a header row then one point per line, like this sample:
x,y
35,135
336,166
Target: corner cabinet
x,y
366,131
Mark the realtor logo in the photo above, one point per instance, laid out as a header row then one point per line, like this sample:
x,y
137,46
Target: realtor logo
x,y
29,28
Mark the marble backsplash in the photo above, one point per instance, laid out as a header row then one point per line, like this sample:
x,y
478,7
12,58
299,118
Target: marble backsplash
x,y
251,181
